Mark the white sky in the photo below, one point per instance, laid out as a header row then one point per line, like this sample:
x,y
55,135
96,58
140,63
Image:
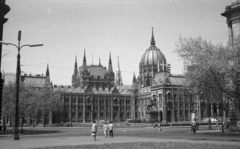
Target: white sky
x,y
122,27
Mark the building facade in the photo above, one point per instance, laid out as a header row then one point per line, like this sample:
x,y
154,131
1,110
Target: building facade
x,y
38,81
232,13
155,94
95,95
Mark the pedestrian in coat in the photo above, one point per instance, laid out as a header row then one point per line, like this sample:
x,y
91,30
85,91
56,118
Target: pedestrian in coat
x,y
105,129
110,129
94,130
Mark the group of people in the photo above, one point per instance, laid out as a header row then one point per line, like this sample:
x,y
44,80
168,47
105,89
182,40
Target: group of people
x,y
157,125
107,129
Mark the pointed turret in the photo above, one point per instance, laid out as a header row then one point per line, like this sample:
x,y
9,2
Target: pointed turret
x,y
100,62
134,77
110,69
75,67
47,72
134,83
119,76
152,40
84,65
47,78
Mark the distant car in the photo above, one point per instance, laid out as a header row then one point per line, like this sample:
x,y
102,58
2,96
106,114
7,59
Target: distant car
x,y
206,119
238,125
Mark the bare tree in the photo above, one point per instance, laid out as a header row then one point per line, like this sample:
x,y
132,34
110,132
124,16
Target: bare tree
x,y
210,68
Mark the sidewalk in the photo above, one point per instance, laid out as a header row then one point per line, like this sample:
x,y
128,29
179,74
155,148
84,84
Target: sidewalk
x,y
24,143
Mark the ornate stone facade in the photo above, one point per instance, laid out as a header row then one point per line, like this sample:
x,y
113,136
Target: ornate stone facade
x,y
94,95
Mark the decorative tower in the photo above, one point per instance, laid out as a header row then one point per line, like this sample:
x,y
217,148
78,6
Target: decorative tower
x,y
110,73
84,75
150,63
75,67
84,65
118,75
110,69
47,79
75,72
99,62
134,97
152,39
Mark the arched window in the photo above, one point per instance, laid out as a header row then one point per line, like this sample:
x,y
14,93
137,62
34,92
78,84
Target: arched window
x,y
169,95
175,97
88,100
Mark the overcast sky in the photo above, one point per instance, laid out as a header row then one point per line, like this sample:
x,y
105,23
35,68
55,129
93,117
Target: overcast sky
x,y
122,27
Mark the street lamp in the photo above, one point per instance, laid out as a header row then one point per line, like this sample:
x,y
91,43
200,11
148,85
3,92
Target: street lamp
x,y
22,122
16,135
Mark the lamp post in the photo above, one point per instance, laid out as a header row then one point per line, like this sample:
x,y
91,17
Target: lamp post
x,y
19,47
22,122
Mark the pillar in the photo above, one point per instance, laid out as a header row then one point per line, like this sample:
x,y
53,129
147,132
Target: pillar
x,y
125,108
184,106
230,33
92,110
178,114
84,109
112,101
77,108
164,112
70,109
98,109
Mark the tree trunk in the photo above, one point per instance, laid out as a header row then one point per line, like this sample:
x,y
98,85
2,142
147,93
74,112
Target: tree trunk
x,y
43,119
209,123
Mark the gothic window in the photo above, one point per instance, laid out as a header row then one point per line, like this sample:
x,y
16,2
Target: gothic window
x,y
73,114
80,114
175,97
115,101
88,100
128,115
160,98
169,95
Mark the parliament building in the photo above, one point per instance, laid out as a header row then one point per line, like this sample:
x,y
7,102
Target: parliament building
x,y
97,93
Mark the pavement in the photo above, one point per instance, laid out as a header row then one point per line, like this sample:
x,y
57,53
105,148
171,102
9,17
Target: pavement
x,y
25,143
45,140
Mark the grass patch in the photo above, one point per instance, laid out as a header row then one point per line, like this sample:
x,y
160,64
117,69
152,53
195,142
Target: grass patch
x,y
146,145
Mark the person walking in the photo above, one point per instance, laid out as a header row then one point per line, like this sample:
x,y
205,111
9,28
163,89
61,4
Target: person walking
x,y
94,130
159,126
105,129
194,127
110,129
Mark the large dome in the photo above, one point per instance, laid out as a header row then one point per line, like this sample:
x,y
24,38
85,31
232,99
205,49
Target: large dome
x,y
152,55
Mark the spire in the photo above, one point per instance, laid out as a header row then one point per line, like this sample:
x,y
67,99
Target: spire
x,y
134,77
110,69
152,40
47,72
100,61
119,77
118,65
75,67
134,83
84,65
47,78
